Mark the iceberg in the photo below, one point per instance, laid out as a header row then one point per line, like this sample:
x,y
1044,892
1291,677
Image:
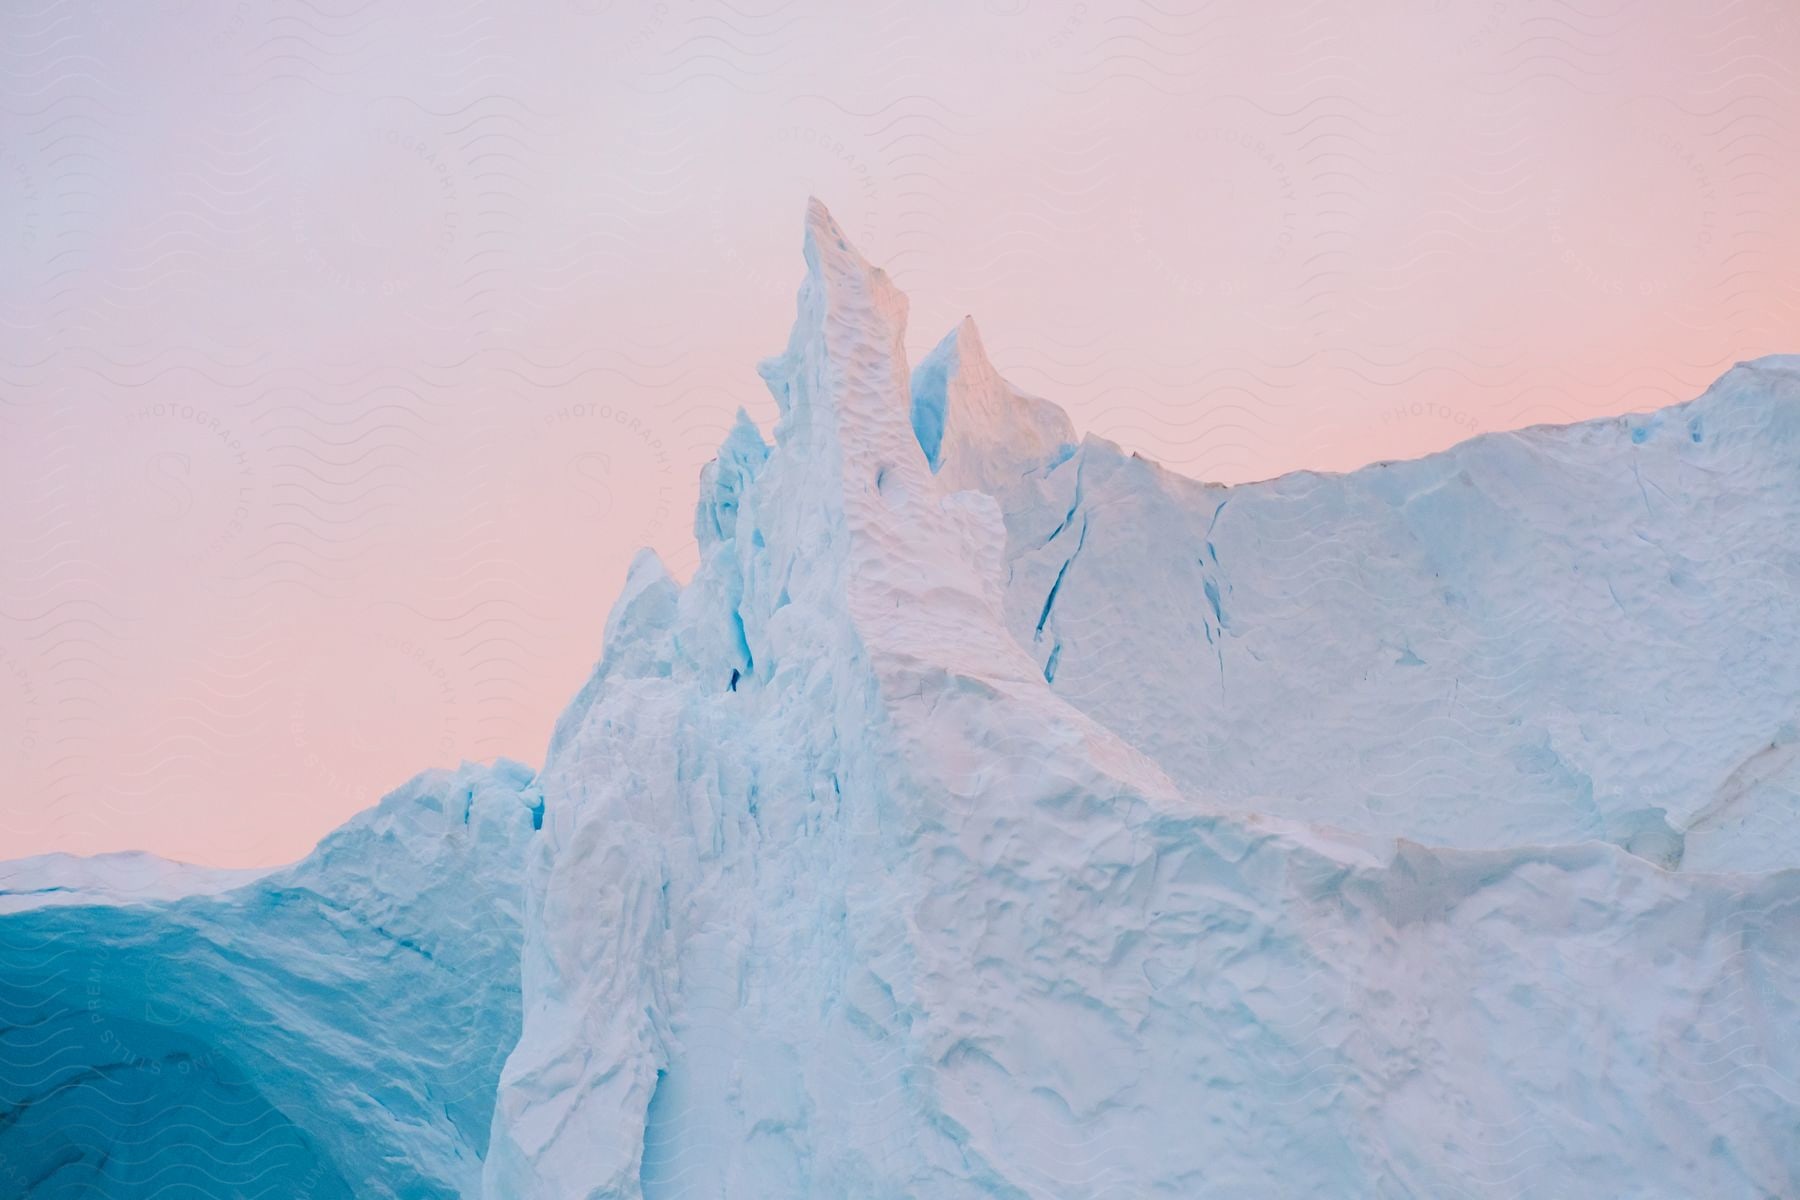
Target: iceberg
x,y
997,814
329,1030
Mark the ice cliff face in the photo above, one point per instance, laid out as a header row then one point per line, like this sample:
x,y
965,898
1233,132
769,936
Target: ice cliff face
x,y
1557,635
330,1030
997,815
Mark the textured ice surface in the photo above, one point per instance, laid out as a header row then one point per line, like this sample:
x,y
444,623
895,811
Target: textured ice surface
x,y
1554,635
996,815
330,1030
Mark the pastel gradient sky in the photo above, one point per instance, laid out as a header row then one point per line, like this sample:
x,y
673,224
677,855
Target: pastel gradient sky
x,y
348,349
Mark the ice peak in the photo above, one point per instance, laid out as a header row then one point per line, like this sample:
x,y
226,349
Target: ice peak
x,y
963,347
645,605
841,384
968,339
976,429
825,241
724,480
744,434
646,569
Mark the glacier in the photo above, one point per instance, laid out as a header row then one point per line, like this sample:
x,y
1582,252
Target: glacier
x,y
994,813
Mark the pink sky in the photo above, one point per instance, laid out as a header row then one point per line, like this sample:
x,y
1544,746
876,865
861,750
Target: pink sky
x,y
349,351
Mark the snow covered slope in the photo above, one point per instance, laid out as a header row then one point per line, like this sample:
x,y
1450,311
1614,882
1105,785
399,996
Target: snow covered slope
x,y
993,814
1547,636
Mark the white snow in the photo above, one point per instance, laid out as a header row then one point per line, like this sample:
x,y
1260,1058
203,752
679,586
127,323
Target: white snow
x,y
130,877
1537,637
995,814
